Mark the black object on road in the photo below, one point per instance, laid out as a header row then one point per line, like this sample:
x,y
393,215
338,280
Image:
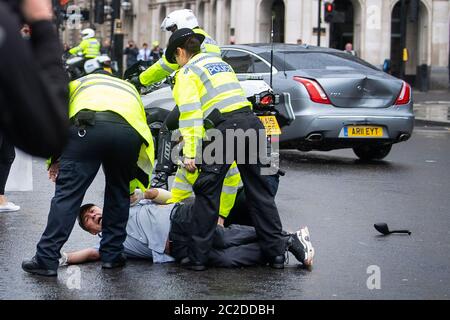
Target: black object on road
x,y
384,229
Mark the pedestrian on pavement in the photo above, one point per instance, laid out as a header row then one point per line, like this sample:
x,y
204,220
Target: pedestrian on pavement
x,y
349,49
109,129
144,53
206,85
106,47
33,84
160,233
157,52
66,47
131,51
177,19
7,155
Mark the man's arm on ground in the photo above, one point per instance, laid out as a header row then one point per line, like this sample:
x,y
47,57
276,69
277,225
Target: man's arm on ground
x,y
157,195
82,256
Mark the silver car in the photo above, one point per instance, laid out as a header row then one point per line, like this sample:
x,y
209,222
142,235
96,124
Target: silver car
x,y
339,101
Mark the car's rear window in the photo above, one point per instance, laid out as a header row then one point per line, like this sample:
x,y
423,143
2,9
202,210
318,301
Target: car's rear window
x,y
290,60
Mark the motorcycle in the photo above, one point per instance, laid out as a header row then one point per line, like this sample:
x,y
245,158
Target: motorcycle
x,y
275,112
77,66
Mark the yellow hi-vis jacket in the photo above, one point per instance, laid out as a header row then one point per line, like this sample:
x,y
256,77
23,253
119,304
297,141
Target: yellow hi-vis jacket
x,y
98,92
89,47
184,180
205,83
163,68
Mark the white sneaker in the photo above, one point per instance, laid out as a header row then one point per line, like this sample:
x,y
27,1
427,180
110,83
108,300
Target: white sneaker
x,y
305,239
299,244
9,207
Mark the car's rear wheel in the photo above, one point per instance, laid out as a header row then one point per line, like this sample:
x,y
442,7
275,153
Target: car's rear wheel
x,y
372,152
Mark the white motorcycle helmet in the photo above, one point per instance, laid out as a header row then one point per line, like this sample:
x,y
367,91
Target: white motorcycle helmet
x,y
87,33
183,18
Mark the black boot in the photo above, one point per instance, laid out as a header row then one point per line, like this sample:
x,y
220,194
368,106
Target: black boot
x,y
115,264
33,267
188,264
277,262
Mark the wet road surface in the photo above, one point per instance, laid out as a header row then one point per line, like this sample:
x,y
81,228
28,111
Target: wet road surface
x,y
433,110
339,199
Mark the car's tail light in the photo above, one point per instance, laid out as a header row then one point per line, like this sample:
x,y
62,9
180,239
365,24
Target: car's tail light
x,y
405,95
267,100
314,89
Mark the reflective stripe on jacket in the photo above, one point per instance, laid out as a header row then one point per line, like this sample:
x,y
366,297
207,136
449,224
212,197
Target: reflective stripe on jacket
x,y
204,84
99,92
163,68
89,47
184,180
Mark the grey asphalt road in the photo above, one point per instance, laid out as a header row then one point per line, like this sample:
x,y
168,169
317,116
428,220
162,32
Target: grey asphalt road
x,y
339,199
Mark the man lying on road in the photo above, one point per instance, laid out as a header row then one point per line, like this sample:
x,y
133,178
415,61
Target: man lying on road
x,y
160,232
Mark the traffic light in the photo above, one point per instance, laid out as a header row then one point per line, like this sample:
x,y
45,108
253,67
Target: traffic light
x,y
99,11
329,12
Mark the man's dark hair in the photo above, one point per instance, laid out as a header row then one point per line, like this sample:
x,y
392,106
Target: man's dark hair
x,y
192,46
83,209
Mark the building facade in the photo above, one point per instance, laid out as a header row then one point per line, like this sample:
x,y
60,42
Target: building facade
x,y
372,26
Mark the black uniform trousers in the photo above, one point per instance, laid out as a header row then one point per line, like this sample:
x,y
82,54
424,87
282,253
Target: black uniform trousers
x,y
115,146
233,246
240,213
259,194
7,156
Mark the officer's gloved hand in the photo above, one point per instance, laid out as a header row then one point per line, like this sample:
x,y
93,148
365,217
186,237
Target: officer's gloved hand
x,y
136,82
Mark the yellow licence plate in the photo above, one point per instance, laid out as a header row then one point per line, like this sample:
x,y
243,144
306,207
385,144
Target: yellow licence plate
x,y
363,131
271,125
